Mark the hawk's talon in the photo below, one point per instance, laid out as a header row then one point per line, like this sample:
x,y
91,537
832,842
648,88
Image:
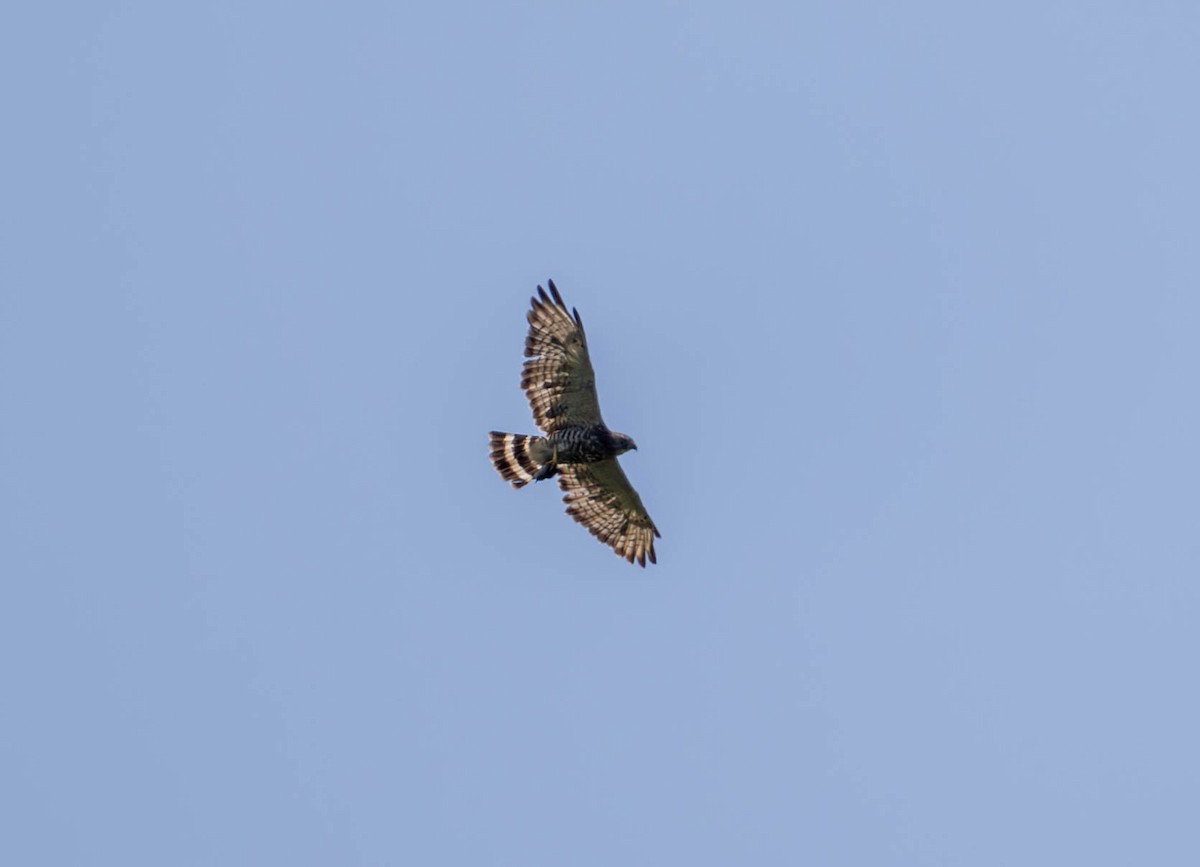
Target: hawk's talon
x,y
548,469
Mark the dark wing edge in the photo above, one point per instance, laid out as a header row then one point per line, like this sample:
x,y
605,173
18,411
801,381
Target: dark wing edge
x,y
599,497
558,379
562,304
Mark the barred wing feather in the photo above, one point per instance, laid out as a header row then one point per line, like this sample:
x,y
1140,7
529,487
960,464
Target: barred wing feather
x,y
558,379
599,496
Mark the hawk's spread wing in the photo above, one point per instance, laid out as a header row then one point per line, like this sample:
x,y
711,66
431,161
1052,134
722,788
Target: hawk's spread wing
x,y
558,378
600,497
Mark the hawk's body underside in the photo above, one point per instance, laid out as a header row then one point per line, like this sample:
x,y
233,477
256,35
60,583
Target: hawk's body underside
x,y
577,447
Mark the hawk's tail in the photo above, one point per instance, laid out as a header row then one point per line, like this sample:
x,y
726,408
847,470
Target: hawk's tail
x,y
513,457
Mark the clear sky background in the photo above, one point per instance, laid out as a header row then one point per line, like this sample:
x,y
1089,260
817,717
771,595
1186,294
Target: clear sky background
x,y
900,302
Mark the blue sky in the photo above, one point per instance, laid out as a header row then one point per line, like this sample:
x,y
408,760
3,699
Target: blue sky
x,y
900,302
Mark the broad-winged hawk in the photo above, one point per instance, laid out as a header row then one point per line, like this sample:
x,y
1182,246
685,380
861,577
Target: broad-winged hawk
x,y
577,447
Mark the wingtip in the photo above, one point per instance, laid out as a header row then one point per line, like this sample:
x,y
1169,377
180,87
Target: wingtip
x,y
557,298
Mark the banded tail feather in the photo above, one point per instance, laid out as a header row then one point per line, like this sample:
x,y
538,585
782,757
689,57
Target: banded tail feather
x,y
519,459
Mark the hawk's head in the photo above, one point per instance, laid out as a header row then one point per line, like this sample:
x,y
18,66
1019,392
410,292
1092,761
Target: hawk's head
x,y
622,443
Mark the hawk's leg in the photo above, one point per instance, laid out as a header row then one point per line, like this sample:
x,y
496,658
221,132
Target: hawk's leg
x,y
549,468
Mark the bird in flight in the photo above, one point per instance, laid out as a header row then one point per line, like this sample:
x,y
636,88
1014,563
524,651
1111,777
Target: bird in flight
x,y
577,447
